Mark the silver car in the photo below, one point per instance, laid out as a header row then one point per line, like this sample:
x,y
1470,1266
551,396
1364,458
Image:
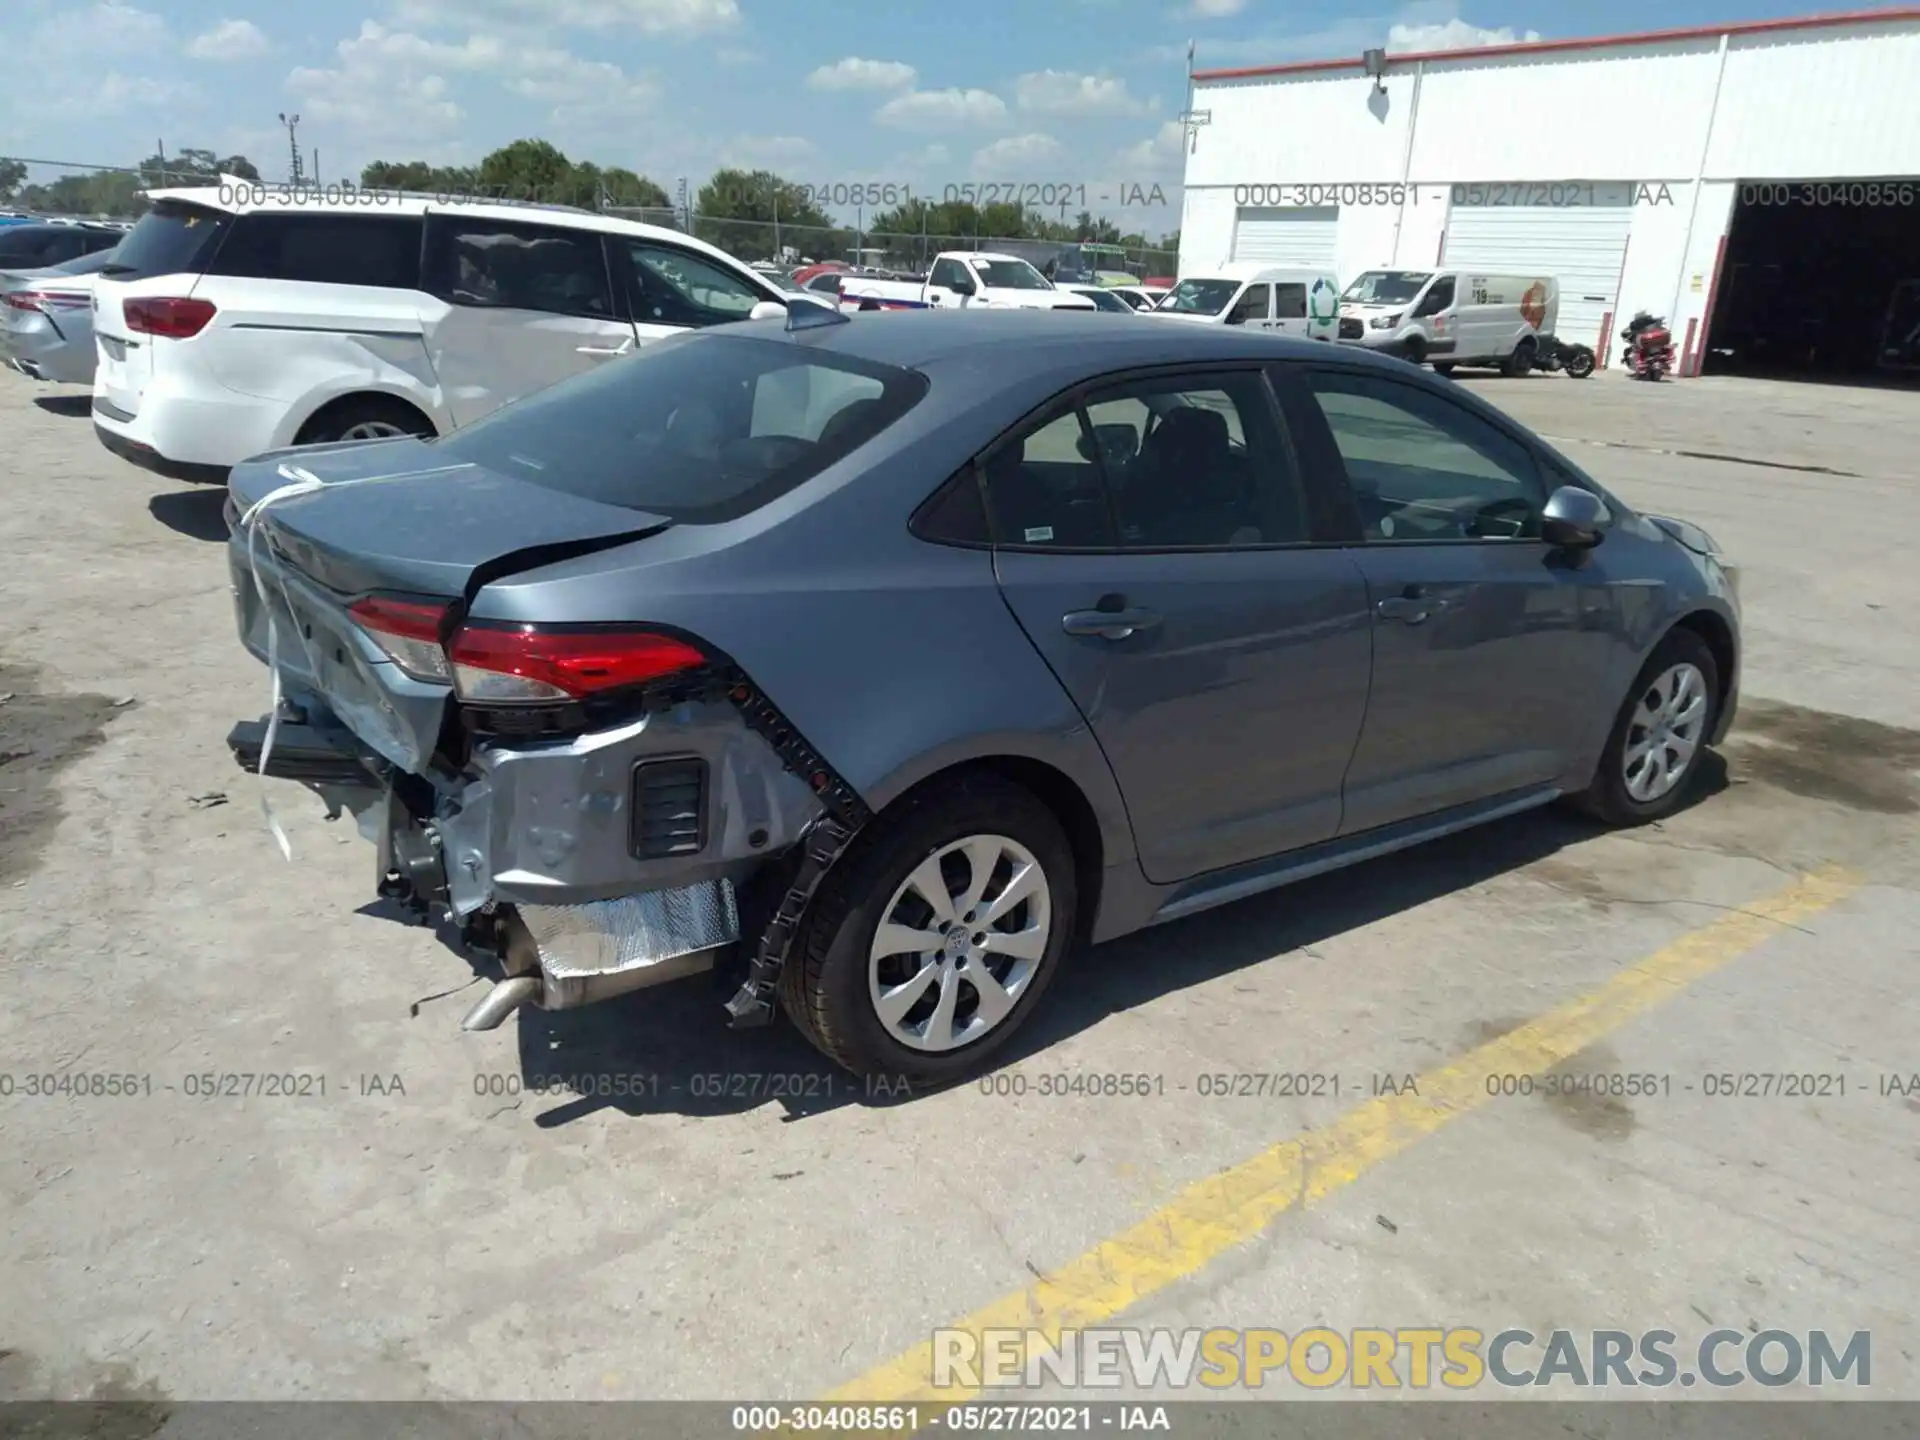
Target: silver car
x,y
880,661
46,319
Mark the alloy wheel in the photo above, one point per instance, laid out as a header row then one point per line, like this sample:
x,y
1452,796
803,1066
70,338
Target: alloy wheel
x,y
959,943
1665,733
372,430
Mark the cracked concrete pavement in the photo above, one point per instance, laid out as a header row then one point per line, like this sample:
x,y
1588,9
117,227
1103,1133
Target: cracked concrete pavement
x,y
743,1221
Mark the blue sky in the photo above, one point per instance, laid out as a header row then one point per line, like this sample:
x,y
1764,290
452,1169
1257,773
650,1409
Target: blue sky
x,y
824,91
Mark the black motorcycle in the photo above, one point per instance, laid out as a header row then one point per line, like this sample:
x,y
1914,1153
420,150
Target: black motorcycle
x,y
1555,354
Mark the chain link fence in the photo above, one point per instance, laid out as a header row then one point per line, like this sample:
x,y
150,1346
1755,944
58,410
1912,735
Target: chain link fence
x,y
887,250
70,190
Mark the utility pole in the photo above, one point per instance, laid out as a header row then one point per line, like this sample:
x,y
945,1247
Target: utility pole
x,y
292,122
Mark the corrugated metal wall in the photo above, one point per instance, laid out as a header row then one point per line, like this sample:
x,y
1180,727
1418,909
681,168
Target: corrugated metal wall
x,y
1805,104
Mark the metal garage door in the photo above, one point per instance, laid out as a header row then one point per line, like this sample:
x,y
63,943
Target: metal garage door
x,y
1277,236
1582,244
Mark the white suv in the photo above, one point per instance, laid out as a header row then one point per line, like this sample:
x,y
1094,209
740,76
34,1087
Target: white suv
x,y
234,321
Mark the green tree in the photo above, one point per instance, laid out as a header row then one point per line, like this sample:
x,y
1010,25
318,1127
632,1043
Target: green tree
x,y
418,175
626,189
753,213
528,170
13,175
111,194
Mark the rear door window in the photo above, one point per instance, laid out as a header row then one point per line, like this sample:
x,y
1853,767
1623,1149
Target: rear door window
x,y
173,238
374,250
1289,302
511,265
699,428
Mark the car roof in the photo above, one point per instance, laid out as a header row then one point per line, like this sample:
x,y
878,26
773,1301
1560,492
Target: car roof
x,y
246,197
1014,342
1243,270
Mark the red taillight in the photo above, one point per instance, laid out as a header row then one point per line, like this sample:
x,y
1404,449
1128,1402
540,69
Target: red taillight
x,y
495,663
170,318
409,631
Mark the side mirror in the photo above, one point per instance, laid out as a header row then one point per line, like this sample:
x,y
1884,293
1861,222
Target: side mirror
x,y
768,310
1234,317
1574,519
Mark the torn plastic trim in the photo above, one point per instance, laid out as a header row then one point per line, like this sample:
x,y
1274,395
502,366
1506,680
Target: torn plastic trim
x,y
756,1002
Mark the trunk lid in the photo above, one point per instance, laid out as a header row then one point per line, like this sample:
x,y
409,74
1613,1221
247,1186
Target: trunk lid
x,y
124,366
404,519
390,516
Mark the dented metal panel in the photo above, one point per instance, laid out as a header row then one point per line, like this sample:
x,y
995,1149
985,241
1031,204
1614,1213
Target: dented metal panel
x,y
609,937
549,823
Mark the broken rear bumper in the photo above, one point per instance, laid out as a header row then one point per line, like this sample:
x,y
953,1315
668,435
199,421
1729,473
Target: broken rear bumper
x,y
586,867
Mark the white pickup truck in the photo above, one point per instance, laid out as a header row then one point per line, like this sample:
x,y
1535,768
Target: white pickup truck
x,y
960,279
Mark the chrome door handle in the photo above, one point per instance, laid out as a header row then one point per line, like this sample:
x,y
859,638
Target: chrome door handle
x,y
1108,624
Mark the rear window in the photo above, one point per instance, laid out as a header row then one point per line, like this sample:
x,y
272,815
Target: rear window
x,y
173,238
699,428
323,249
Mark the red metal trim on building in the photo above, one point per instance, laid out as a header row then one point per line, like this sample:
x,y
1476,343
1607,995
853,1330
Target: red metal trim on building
x,y
1606,326
1713,296
1902,14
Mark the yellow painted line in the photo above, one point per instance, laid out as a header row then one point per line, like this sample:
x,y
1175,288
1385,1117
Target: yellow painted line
x,y
1214,1216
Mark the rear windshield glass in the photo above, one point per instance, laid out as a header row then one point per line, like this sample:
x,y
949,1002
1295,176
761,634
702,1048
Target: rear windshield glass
x,y
698,428
89,264
173,238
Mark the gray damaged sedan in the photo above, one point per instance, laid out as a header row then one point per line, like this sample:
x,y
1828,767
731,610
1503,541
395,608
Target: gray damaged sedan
x,y
882,661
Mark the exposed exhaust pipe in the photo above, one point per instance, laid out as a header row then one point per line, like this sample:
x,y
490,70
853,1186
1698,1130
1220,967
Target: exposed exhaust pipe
x,y
501,1001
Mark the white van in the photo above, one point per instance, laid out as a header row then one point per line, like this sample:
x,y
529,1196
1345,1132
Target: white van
x,y
1451,317
1292,302
245,317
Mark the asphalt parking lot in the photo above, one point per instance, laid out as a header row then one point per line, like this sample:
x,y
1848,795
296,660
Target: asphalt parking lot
x,y
418,1232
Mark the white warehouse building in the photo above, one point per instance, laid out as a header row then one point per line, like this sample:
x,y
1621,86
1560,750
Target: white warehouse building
x,y
1756,184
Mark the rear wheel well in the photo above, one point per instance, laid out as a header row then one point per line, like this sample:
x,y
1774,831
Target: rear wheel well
x,y
1069,806
371,401
1719,639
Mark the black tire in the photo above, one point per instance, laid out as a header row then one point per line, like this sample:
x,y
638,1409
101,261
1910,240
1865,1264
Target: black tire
x,y
1580,364
1414,350
336,421
1606,797
824,985
1443,367
1520,362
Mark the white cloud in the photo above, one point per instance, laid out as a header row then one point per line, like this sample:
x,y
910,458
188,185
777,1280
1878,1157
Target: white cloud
x,y
584,95
1018,157
394,83
1454,34
855,73
229,40
106,28
939,109
1161,156
1063,92
1416,25
1215,9
767,152
649,17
